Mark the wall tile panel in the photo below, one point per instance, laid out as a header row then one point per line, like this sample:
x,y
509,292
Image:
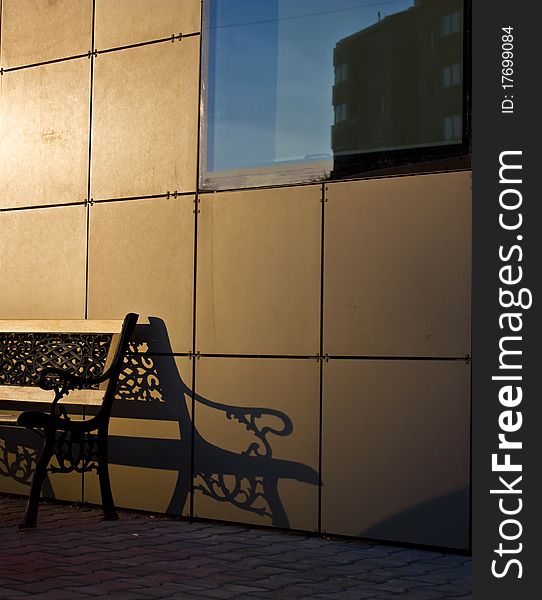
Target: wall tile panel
x,y
395,450
259,272
44,114
42,263
141,260
40,30
285,483
145,120
397,267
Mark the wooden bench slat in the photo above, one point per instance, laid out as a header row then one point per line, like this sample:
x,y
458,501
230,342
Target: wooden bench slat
x,y
7,418
60,326
35,394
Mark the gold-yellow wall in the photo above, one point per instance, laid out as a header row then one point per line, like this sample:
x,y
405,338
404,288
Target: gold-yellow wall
x,y
344,306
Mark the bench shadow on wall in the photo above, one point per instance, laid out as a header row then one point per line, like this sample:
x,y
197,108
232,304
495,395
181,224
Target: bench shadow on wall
x,y
152,388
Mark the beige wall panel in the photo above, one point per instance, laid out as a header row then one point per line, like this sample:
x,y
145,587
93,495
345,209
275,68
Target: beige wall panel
x,y
18,455
145,119
42,263
287,479
65,486
259,272
397,266
8,484
134,487
40,30
141,260
123,22
141,428
44,114
149,438
19,452
395,450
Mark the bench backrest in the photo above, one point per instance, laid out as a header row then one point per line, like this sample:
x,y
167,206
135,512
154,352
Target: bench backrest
x,y
87,348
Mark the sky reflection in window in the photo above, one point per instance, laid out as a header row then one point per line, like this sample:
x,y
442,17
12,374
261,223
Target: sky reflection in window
x,y
293,85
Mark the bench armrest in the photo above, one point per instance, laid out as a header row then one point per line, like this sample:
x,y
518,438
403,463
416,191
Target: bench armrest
x,y
249,416
62,382
53,378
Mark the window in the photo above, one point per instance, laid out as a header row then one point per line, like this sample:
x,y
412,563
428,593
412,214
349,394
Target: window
x,y
341,73
451,75
452,127
295,90
451,23
340,113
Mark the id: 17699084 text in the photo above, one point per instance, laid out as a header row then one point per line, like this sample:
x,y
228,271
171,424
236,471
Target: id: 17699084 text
x,y
507,70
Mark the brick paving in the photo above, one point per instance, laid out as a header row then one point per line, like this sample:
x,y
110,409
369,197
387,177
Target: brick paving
x,y
73,554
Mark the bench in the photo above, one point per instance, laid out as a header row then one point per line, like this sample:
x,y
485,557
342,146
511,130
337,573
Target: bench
x,y
67,365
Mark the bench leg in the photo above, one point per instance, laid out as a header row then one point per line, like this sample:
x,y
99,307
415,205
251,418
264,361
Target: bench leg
x,y
30,518
108,506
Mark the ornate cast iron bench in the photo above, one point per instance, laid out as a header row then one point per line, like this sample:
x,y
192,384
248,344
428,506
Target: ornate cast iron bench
x,y
80,361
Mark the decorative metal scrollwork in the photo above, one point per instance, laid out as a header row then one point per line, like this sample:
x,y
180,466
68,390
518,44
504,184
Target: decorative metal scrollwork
x,y
74,452
250,418
24,355
18,462
246,493
139,379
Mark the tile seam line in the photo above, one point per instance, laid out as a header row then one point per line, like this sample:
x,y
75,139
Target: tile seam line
x,y
101,201
323,199
87,54
89,168
43,206
324,358
171,39
174,194
192,499
46,62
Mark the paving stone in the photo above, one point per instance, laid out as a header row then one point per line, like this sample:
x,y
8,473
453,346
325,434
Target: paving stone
x,y
58,595
346,595
75,555
9,593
